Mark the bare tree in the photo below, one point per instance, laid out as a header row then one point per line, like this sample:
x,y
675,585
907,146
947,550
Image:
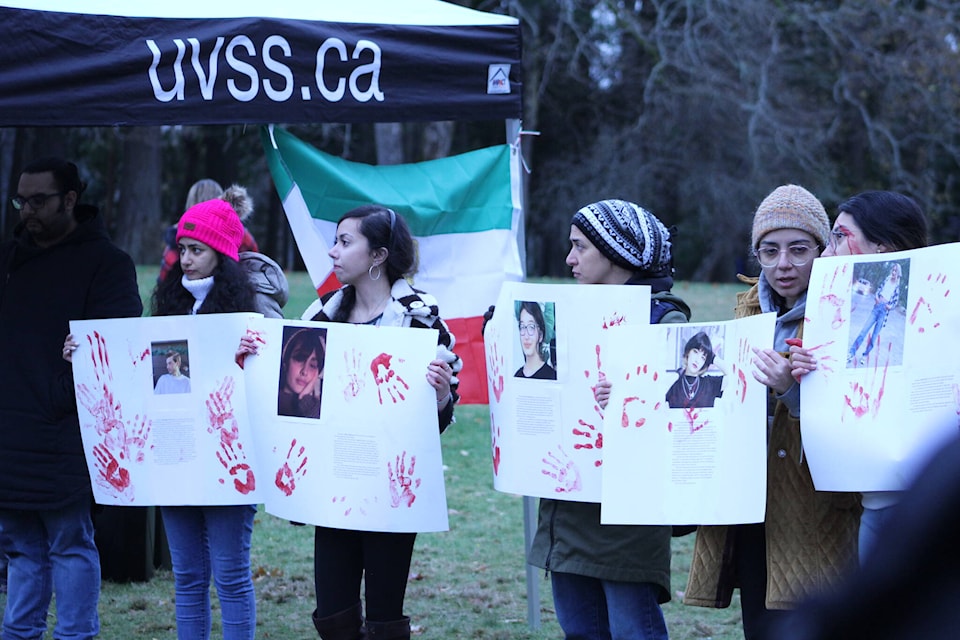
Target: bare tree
x,y
139,223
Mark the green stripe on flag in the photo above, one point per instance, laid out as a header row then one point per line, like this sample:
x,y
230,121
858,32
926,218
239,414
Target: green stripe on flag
x,y
460,194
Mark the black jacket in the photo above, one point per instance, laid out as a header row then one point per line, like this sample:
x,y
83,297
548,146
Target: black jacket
x,y
83,277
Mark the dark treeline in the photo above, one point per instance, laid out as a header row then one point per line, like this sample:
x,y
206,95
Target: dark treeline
x,y
695,109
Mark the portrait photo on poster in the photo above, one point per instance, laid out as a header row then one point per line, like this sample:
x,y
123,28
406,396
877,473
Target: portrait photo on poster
x,y
537,339
702,372
878,312
300,388
171,367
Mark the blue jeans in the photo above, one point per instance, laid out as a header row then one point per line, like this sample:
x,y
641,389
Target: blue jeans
x,y
594,609
877,317
50,550
872,521
205,540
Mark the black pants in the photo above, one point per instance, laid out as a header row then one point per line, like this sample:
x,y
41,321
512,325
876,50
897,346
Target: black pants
x,y
342,557
751,557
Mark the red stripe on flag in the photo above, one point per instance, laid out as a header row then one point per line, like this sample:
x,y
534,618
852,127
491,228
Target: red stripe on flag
x,y
328,285
473,377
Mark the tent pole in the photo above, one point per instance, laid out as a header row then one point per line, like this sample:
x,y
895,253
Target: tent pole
x,y
533,586
513,127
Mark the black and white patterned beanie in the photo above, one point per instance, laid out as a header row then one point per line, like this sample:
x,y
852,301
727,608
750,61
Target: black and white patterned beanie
x,y
627,234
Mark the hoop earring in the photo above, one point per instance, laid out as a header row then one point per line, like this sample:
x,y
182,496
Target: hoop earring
x,y
370,272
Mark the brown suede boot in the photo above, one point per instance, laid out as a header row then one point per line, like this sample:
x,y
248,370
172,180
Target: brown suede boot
x,y
344,625
393,630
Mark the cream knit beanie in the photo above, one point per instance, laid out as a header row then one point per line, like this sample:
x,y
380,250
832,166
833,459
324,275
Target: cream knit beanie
x,y
791,207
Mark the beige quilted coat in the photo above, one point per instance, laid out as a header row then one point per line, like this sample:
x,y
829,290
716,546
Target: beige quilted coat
x,y
811,535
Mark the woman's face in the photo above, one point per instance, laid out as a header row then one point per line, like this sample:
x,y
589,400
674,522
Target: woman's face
x,y
694,361
847,239
588,264
197,259
351,254
787,279
530,336
302,373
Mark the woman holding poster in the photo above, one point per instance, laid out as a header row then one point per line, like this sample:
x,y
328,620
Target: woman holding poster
x,y
808,538
609,581
210,539
373,255
871,222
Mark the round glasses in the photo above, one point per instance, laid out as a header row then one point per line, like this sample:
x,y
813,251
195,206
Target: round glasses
x,y
797,255
528,329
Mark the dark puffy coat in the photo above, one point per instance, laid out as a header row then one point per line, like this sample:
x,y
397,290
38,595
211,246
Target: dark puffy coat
x,y
83,277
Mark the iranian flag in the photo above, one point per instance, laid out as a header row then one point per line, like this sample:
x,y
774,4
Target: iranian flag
x,y
463,210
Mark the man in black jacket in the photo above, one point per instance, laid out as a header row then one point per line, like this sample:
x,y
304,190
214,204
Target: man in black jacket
x,y
60,266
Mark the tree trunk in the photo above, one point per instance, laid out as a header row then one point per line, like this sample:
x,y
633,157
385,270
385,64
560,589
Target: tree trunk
x,y
389,142
138,227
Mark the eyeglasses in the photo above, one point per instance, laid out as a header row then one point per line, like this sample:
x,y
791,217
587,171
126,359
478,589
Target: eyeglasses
x,y
797,255
837,238
36,201
528,329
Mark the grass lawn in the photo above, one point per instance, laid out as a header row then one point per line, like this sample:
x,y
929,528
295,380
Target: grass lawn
x,y
469,582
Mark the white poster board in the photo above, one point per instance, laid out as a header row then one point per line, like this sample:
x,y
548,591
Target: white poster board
x,y
547,431
154,438
367,455
871,421
686,431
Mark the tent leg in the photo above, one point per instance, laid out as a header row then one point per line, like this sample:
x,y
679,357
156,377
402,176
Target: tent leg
x,y
533,585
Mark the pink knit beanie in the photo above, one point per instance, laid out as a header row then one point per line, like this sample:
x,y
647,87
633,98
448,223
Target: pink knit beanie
x,y
214,223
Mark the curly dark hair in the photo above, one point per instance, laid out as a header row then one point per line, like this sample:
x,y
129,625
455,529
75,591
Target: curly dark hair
x,y
232,291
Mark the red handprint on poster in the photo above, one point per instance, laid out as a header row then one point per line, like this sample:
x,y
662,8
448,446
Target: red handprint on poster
x,y
866,398
833,299
495,444
495,365
591,437
636,412
924,312
354,383
692,414
563,470
111,475
122,441
402,481
614,320
349,508
387,379
234,461
294,467
223,424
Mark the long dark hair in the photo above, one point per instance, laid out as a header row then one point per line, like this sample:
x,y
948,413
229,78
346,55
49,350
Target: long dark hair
x,y
300,346
889,218
232,291
383,229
